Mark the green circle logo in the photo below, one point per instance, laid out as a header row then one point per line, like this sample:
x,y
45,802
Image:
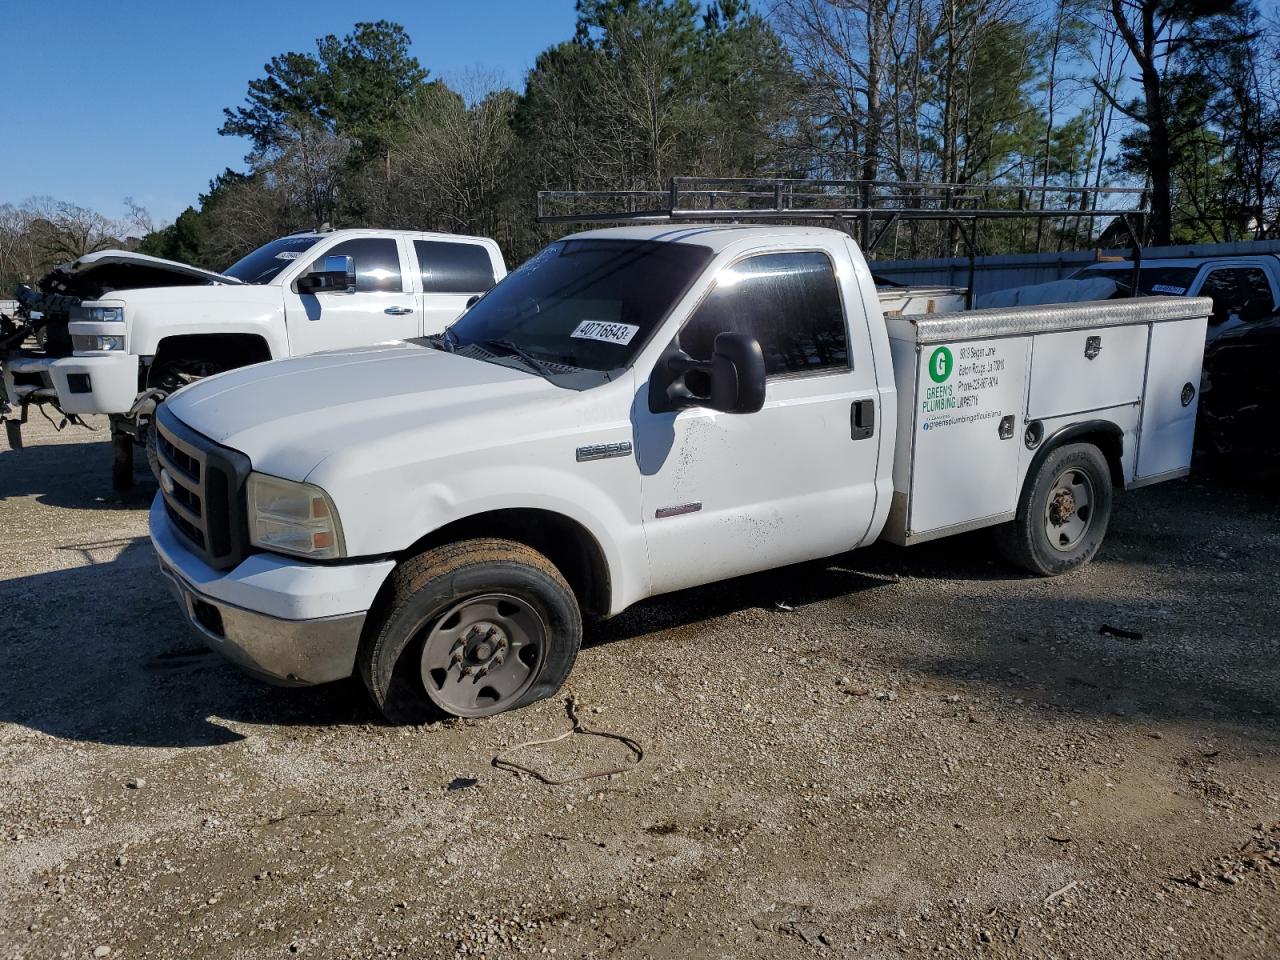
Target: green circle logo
x,y
940,365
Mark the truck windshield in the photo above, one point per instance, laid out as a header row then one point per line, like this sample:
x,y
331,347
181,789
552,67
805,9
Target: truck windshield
x,y
590,304
265,263
1153,281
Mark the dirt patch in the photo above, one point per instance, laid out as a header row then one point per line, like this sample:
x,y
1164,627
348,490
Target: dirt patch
x,y
899,752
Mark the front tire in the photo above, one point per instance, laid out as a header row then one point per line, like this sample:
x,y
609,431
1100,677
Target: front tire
x,y
1063,512
469,629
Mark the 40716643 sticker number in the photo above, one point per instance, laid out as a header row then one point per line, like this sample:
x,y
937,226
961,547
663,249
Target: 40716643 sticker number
x,y
605,332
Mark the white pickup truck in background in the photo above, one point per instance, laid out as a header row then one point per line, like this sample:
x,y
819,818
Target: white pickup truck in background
x,y
122,330
631,412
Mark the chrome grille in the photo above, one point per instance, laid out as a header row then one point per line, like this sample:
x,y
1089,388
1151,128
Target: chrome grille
x,y
181,468
202,486
178,461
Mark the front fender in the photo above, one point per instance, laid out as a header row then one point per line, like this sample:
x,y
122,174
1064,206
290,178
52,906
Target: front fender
x,y
389,514
154,321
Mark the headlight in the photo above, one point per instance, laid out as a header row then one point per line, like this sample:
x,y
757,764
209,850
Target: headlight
x,y
106,314
295,518
97,341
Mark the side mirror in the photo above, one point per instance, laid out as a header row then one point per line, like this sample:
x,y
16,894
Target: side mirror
x,y
337,275
473,300
733,379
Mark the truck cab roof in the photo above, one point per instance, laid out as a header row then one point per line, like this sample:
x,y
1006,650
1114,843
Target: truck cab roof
x,y
1161,262
349,232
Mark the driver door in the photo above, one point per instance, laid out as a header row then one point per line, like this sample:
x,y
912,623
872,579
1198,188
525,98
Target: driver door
x,y
383,307
729,494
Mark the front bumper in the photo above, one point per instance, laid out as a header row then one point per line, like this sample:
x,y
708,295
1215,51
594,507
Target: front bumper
x,y
101,383
287,622
94,383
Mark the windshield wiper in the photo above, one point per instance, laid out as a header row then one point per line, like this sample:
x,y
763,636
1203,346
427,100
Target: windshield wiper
x,y
539,366
444,341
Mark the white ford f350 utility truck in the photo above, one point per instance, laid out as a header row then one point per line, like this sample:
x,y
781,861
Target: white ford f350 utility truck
x,y
135,328
634,411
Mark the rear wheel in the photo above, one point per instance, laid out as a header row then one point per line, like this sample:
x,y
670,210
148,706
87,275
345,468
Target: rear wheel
x,y
1063,512
470,630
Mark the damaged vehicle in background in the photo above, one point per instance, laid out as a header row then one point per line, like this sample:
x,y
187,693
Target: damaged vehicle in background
x,y
115,332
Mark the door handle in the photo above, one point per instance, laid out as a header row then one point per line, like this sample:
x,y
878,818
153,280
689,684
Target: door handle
x,y
862,419
398,311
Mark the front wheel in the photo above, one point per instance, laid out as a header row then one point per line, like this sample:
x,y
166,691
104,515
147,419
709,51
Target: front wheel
x,y
469,630
1063,512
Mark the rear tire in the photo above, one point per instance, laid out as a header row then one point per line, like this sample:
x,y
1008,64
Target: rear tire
x,y
1063,512
469,629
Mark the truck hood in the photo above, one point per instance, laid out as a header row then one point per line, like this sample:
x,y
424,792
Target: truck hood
x,y
96,274
289,415
212,294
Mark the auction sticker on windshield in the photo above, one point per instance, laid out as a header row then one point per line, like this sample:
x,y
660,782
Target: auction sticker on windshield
x,y
619,333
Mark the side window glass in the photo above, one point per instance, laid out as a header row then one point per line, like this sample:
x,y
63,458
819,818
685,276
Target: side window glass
x,y
377,263
1256,299
1240,292
790,302
453,267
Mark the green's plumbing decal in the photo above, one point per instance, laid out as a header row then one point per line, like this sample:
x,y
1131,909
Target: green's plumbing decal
x,y
972,394
940,365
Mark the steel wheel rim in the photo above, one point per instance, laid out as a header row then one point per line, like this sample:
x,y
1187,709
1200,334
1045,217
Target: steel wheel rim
x,y
1068,511
482,654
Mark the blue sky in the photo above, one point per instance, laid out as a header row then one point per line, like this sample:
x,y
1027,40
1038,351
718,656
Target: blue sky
x,y
103,100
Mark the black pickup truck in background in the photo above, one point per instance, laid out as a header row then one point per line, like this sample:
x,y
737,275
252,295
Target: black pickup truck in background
x,y
1240,388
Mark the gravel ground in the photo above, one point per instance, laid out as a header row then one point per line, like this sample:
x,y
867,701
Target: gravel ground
x,y
897,753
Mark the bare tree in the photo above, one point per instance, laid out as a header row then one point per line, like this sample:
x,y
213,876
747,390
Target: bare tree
x,y
457,152
854,54
138,218
644,88
43,232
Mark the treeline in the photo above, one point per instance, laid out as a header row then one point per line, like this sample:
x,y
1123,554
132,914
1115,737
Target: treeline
x,y
1177,96
42,232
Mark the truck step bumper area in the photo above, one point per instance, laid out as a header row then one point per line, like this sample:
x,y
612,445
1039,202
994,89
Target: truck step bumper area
x,y
289,623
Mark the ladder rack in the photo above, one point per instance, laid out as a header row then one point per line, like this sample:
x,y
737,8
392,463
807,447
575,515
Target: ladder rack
x,y
874,207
